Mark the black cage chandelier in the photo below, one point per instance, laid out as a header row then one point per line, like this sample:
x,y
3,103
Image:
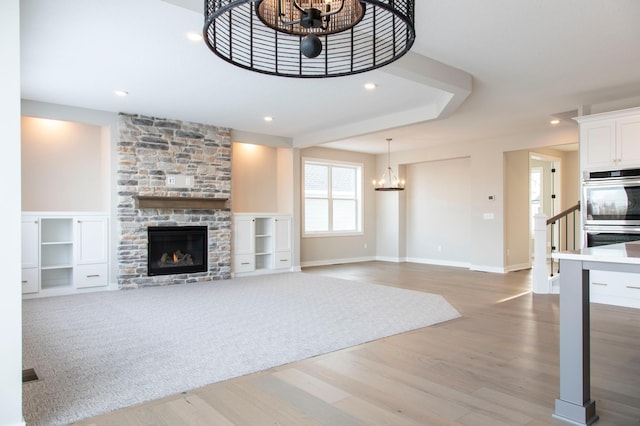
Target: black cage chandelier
x,y
309,38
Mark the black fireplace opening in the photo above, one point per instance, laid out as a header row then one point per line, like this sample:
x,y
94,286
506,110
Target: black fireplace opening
x,y
176,250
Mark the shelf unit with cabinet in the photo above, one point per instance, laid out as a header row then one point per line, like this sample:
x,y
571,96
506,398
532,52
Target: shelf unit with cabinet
x,y
261,243
63,252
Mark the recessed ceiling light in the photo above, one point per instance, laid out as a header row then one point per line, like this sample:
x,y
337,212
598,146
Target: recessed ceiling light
x,y
121,92
194,36
555,121
370,86
268,119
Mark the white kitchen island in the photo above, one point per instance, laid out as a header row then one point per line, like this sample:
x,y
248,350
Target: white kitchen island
x,y
575,405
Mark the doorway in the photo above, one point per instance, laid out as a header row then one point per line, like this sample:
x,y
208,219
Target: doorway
x,y
544,193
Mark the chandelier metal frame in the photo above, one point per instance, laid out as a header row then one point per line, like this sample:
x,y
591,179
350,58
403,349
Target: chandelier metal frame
x,y
389,181
244,33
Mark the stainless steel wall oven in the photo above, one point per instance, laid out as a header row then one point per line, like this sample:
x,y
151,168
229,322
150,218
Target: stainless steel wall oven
x,y
612,207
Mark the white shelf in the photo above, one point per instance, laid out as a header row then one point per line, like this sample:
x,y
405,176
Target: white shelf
x,y
257,245
56,245
56,278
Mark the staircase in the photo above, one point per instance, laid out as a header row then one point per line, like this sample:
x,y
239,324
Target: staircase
x,y
558,233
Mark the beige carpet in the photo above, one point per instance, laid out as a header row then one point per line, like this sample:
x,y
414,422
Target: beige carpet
x,y
98,352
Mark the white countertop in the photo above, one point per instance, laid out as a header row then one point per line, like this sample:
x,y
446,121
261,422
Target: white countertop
x,y
615,253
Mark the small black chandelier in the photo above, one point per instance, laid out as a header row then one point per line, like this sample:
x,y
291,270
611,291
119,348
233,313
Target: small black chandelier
x,y
389,181
309,38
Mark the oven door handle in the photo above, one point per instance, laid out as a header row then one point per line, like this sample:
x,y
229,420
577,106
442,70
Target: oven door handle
x,y
612,229
597,183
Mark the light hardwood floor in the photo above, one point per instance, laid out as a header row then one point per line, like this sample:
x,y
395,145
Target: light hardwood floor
x,y
497,365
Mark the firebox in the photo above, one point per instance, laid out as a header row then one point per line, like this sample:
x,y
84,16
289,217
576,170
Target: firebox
x,y
176,250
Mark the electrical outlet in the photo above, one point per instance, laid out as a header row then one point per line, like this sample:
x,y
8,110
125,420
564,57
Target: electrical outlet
x,y
171,180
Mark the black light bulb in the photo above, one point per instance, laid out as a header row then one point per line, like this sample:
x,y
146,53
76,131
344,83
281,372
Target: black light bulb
x,y
311,46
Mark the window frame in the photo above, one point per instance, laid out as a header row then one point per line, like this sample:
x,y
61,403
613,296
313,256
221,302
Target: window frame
x,y
359,167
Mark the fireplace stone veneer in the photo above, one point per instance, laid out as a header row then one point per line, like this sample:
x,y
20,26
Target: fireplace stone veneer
x,y
149,150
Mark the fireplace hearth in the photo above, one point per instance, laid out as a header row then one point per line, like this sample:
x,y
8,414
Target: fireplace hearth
x,y
176,250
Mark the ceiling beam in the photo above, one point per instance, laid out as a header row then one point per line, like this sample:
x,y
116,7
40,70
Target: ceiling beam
x,y
455,86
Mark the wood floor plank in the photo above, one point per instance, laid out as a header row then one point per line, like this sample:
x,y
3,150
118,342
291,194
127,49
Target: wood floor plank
x,y
497,364
371,414
312,385
413,398
193,410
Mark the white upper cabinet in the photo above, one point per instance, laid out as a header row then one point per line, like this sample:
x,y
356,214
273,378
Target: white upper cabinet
x,y
610,141
597,143
628,134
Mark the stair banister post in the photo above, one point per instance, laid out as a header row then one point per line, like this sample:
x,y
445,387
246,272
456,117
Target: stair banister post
x,y
540,270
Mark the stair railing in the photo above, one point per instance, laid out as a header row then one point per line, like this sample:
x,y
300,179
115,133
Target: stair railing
x,y
551,230
555,224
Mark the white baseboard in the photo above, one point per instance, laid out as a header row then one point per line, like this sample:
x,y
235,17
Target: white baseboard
x,y
518,267
389,259
261,272
336,261
492,269
439,262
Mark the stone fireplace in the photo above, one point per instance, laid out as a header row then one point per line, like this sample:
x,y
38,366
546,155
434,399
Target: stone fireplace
x,y
153,152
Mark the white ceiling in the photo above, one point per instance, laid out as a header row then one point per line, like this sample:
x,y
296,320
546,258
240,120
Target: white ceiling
x,y
528,61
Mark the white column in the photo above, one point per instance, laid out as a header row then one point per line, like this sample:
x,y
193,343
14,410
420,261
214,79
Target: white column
x,y
11,288
540,270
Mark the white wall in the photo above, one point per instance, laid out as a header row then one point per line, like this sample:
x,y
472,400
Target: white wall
x,y
254,178
63,168
517,206
389,225
438,205
487,217
261,179
285,180
10,290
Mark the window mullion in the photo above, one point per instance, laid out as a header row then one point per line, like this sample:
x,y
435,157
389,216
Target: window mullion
x,y
330,195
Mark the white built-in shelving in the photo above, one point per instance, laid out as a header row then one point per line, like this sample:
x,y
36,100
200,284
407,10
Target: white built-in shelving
x,y
261,242
63,252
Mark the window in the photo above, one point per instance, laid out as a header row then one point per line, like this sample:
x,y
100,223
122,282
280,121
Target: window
x,y
332,198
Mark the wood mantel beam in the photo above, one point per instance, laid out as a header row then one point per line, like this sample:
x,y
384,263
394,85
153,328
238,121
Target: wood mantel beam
x,y
191,203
